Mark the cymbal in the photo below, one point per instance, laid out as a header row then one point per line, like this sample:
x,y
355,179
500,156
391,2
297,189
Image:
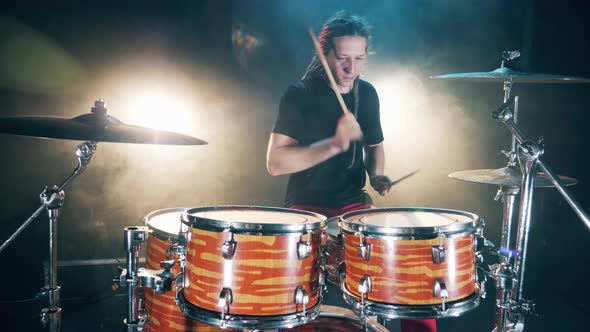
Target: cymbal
x,y
92,127
507,176
504,73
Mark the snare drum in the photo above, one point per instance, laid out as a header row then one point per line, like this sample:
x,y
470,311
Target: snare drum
x,y
253,267
410,262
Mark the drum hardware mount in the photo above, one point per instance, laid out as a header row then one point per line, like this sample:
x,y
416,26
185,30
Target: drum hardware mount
x,y
364,248
228,248
134,277
393,311
511,307
225,301
304,246
508,196
482,270
322,281
301,298
180,248
231,321
52,200
438,252
439,289
365,287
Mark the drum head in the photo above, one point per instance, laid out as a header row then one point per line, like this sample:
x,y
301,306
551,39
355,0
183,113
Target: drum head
x,y
410,221
253,219
166,223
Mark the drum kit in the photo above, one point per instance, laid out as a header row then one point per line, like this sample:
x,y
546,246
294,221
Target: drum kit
x,y
253,268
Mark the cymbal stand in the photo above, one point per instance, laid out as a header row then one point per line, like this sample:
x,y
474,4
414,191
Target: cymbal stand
x,y
509,57
508,193
504,273
529,157
52,199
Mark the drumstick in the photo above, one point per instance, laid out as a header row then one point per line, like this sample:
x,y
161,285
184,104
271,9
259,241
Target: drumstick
x,y
318,49
403,177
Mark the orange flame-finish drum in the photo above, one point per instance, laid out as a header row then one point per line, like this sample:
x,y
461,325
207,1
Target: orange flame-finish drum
x,y
163,314
403,259
254,255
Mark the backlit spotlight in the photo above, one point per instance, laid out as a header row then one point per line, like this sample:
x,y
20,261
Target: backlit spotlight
x,y
162,110
400,94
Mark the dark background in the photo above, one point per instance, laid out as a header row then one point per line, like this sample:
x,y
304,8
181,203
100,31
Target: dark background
x,y
56,59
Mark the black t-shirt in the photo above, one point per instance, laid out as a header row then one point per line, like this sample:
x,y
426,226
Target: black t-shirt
x,y
309,112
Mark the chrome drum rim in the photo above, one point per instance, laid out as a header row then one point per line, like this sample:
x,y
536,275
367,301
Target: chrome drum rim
x,y
248,322
395,311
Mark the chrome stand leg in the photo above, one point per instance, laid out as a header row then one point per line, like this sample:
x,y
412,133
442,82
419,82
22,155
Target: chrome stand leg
x,y
52,199
508,195
132,239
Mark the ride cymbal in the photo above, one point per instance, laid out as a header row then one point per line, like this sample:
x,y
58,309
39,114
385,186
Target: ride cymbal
x,y
505,73
507,176
95,126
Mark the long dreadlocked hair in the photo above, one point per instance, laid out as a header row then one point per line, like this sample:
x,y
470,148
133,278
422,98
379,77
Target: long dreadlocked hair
x,y
342,24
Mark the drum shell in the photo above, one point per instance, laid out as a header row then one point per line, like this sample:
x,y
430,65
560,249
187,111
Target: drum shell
x,y
403,272
163,314
263,273
401,264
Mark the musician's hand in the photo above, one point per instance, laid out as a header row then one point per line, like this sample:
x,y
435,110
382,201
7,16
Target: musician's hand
x,y
381,183
347,130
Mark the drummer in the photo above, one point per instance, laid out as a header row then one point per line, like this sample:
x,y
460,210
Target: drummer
x,y
327,152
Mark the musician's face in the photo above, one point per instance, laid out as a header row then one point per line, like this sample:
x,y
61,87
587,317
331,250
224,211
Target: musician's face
x,y
347,60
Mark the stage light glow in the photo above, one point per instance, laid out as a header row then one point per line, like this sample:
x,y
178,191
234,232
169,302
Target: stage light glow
x,y
401,95
424,127
160,109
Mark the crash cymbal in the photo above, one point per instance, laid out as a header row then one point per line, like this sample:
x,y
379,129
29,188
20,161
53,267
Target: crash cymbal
x,y
503,73
95,126
507,176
